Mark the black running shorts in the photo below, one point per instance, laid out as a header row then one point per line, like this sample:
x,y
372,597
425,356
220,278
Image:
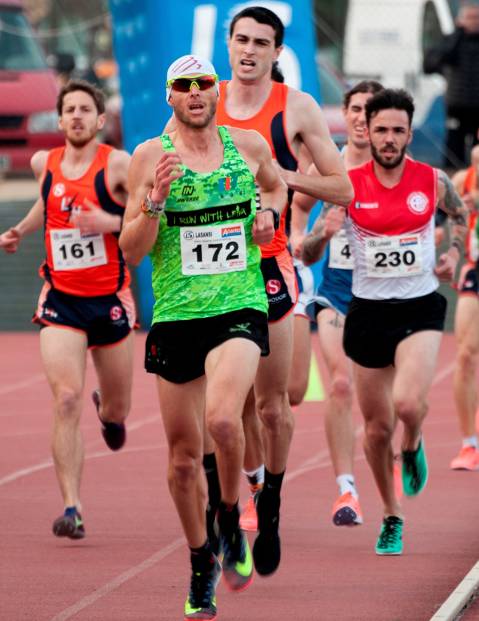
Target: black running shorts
x,y
280,284
374,328
177,350
105,319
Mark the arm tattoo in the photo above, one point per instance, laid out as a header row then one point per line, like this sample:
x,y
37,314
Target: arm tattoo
x,y
452,204
314,243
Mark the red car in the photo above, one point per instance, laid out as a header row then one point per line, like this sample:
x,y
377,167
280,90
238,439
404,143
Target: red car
x,y
28,92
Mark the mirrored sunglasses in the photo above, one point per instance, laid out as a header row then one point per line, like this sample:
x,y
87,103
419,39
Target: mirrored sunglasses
x,y
183,85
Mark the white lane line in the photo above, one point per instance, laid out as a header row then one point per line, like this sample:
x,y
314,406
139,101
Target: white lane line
x,y
24,472
443,373
107,588
459,597
33,379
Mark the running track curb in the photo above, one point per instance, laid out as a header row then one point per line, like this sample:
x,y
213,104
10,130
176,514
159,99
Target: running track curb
x,y
455,603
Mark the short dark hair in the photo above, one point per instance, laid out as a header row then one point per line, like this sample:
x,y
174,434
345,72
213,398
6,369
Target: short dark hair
x,y
262,16
276,73
365,86
397,99
82,85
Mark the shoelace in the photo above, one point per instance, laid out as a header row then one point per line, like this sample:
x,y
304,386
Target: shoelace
x,y
390,531
201,589
234,547
411,465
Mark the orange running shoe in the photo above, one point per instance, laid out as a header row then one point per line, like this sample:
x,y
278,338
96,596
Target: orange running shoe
x,y
397,475
468,459
346,511
249,518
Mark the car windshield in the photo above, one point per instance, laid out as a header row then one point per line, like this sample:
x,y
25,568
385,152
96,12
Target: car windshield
x,y
19,50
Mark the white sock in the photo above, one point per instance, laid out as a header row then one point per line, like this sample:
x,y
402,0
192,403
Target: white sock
x,y
471,441
346,484
255,477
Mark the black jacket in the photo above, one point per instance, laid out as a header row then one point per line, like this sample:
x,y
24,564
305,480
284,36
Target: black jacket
x,y
457,58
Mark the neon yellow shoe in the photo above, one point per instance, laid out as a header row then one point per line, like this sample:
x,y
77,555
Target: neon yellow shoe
x,y
237,561
201,600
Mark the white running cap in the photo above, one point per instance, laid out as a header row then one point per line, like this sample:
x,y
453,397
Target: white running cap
x,y
188,66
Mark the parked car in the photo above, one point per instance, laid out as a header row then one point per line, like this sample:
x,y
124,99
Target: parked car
x,y
28,92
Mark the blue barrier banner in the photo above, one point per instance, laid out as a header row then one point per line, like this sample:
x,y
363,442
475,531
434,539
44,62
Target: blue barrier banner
x,y
148,35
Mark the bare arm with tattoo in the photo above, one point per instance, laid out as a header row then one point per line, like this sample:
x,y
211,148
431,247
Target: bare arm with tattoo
x,y
450,202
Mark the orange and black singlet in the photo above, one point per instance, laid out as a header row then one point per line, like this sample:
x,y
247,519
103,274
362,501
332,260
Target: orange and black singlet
x,y
88,265
270,122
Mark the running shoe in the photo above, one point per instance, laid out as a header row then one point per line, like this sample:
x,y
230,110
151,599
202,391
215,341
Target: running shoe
x,y
114,434
70,524
249,518
414,470
237,560
346,511
397,477
468,459
267,545
390,539
201,600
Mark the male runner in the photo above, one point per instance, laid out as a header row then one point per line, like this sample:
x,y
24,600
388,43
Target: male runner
x,y
466,327
394,323
85,302
286,118
331,304
193,208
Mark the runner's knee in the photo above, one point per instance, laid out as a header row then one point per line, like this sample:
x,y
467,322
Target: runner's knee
x,y
410,408
224,429
467,359
378,432
274,412
67,401
184,469
341,388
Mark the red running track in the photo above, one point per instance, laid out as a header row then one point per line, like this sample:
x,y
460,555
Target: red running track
x,y
133,564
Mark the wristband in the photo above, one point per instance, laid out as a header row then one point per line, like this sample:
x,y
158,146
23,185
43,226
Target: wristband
x,y
276,216
151,208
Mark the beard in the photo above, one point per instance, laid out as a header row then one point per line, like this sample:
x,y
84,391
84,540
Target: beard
x,y
388,164
81,141
197,123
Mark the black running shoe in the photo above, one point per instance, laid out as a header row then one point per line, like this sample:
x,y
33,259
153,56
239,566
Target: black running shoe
x,y
201,600
70,524
114,434
267,545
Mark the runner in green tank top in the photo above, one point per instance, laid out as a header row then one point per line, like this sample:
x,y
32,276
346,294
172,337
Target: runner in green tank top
x,y
192,207
204,261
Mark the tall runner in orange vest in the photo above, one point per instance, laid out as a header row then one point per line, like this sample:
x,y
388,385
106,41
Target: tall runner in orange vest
x,y
86,302
287,118
466,322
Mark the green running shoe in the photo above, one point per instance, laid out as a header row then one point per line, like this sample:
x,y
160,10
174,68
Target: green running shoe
x,y
390,539
237,561
414,470
201,601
